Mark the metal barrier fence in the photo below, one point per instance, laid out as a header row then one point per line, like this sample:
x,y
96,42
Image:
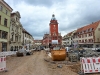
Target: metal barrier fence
x,y
90,64
7,53
2,63
3,59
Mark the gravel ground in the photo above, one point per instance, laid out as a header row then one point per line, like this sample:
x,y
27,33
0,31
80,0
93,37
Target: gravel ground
x,y
40,64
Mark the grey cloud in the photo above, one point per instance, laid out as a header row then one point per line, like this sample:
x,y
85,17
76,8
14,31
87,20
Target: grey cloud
x,y
86,12
47,3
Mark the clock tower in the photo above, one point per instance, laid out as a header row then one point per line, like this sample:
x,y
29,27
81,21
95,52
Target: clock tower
x,y
54,36
53,26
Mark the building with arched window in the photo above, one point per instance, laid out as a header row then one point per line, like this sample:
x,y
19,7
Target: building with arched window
x,y
16,37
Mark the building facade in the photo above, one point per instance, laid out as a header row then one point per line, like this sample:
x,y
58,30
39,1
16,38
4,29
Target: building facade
x,y
54,37
16,37
45,41
5,12
87,36
67,40
28,40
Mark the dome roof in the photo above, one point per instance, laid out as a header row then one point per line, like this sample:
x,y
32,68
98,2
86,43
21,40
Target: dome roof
x,y
53,17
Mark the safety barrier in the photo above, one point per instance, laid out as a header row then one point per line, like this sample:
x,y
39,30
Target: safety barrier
x,y
2,63
3,59
8,53
90,64
49,54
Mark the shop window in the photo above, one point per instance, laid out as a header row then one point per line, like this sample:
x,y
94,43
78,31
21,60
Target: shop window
x,y
5,22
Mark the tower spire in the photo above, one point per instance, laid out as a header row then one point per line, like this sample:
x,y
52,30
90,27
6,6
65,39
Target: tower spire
x,y
53,17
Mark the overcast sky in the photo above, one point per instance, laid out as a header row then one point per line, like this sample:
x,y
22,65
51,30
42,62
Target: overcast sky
x,y
70,14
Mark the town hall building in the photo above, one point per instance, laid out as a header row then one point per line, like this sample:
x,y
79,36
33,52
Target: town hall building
x,y
54,37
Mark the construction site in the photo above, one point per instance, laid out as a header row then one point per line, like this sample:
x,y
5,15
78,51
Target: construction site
x,y
44,63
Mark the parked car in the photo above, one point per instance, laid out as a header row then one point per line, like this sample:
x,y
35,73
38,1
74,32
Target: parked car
x,y
42,48
29,52
21,52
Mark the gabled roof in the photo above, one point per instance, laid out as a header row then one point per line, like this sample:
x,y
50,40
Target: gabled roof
x,y
93,26
6,5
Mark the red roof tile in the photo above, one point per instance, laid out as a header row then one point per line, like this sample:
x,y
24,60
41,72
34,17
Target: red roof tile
x,y
93,25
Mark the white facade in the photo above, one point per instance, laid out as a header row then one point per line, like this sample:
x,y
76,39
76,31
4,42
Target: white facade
x,y
28,40
15,32
87,36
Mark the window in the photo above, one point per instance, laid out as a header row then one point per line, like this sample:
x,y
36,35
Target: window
x,y
85,35
12,28
79,41
82,41
98,29
90,29
12,38
4,35
97,39
1,8
85,40
90,34
0,19
87,30
6,12
5,22
82,31
4,47
0,33
16,29
79,36
16,38
91,40
20,30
